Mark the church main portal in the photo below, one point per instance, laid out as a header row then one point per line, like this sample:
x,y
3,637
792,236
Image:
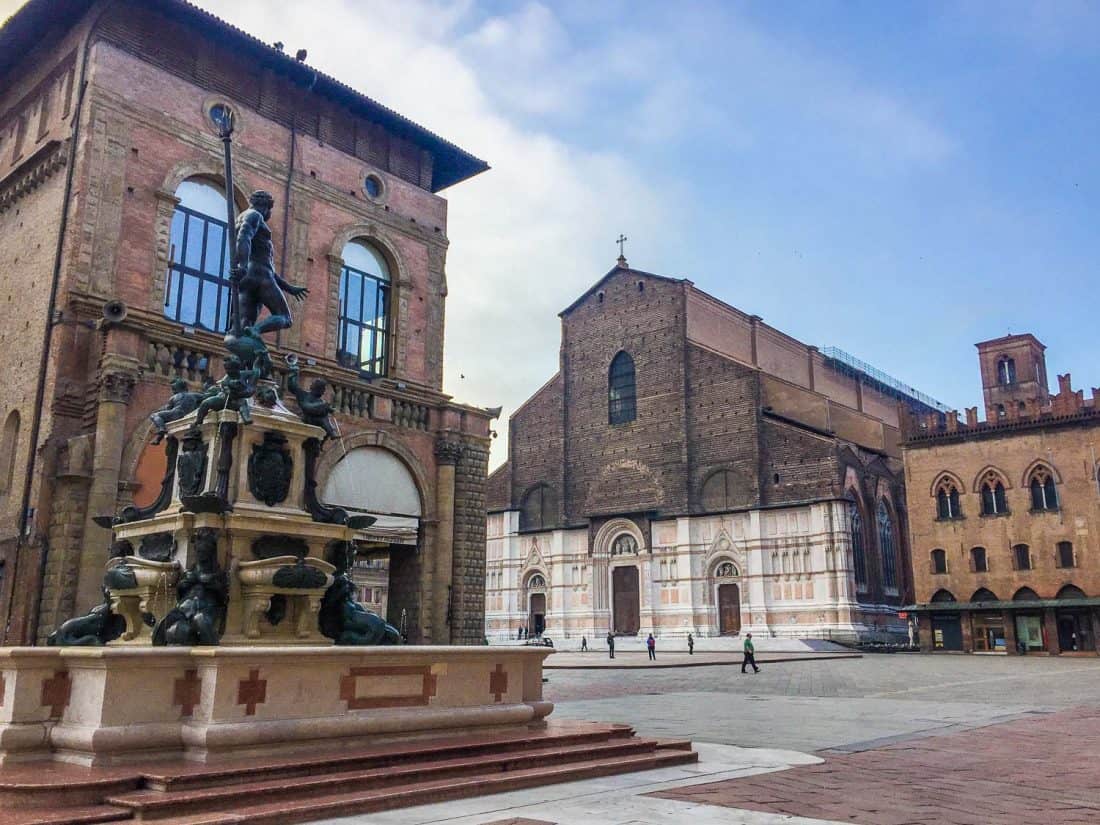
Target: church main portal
x,y
625,592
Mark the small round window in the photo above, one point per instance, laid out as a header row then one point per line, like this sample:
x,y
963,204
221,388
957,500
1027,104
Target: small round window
x,y
372,185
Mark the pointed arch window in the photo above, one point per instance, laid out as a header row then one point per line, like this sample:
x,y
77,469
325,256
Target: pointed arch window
x,y
948,505
886,546
622,391
1006,371
994,502
1044,496
196,291
9,443
364,309
719,491
859,558
538,509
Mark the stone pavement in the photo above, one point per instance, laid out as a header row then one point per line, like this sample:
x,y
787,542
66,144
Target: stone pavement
x,y
905,738
613,800
1038,769
622,661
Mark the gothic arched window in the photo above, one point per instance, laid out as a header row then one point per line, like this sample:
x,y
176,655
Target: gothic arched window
x,y
718,491
622,392
1044,496
886,546
364,309
993,495
947,500
9,443
859,559
1006,370
196,292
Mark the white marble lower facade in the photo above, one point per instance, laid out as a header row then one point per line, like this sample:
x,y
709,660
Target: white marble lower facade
x,y
784,572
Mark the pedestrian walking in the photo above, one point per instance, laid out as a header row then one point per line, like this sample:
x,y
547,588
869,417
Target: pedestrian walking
x,y
691,645
519,631
611,644
750,655
651,646
584,644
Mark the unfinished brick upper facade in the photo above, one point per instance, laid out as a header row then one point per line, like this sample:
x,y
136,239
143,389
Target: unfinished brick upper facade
x,y
104,112
729,491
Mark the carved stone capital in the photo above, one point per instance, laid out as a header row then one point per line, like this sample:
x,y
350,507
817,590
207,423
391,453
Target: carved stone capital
x,y
117,386
448,450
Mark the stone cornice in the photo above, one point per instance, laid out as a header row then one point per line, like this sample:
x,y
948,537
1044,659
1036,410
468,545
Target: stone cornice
x,y
32,172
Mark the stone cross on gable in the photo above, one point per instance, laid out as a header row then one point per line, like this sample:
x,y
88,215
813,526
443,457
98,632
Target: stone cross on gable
x,y
621,241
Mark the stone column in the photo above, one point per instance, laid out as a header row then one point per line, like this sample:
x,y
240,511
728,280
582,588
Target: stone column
x,y
924,632
118,375
447,454
1050,632
967,631
1009,618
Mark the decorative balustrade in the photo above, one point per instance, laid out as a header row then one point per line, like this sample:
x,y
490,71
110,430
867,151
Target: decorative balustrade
x,y
193,360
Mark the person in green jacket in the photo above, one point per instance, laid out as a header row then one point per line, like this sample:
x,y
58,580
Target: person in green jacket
x,y
750,655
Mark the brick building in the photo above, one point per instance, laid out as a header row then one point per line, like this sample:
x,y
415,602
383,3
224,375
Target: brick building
x,y
691,469
1004,514
111,189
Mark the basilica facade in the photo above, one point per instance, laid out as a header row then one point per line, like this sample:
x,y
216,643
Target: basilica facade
x,y
692,469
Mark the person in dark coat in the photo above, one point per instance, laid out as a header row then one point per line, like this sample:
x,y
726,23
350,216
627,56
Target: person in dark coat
x,y
651,646
691,645
611,644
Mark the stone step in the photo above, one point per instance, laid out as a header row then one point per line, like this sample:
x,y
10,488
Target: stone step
x,y
150,804
64,815
286,812
179,776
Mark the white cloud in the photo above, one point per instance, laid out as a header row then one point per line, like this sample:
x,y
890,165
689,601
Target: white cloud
x,y
527,236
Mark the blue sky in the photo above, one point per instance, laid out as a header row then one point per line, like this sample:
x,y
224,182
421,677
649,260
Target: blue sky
x,y
900,180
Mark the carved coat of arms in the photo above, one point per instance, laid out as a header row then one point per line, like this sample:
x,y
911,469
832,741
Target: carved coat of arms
x,y
270,468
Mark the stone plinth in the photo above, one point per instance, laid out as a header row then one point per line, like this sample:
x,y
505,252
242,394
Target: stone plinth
x,y
117,705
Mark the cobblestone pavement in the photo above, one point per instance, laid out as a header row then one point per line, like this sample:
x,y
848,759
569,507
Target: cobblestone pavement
x,y
1032,770
631,660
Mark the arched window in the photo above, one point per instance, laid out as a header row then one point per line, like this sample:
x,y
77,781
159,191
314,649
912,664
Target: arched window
x,y
725,570
859,559
9,444
1021,557
624,545
993,495
1006,370
1025,594
979,563
939,561
622,392
364,309
983,595
538,508
1001,412
886,546
1043,494
718,491
196,292
942,597
1066,557
947,500
1071,592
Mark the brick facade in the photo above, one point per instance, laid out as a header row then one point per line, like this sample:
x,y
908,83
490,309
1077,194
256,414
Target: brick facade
x,y
746,448
117,95
1020,600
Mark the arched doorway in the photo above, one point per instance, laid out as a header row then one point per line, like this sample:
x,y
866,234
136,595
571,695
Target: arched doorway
x,y
728,595
729,609
536,605
625,593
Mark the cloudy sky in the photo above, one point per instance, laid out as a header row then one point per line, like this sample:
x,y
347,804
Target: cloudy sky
x,y
900,180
